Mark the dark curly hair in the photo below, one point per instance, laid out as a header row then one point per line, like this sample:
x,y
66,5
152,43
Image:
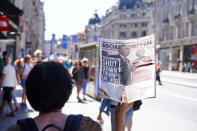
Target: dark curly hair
x,y
48,86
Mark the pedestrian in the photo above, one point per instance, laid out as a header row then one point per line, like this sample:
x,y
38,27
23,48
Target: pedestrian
x,y
86,71
192,67
27,66
67,64
158,70
185,67
49,87
79,77
8,82
109,107
189,67
38,56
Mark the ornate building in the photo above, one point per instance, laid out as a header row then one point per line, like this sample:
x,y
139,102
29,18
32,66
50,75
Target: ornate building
x,y
174,23
125,20
27,22
33,26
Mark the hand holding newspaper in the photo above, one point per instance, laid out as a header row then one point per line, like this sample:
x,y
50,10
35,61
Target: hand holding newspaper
x,y
127,66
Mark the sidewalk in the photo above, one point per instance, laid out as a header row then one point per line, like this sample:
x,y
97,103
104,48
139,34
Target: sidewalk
x,y
180,78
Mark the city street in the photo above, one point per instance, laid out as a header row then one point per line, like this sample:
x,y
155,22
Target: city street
x,y
120,43
174,108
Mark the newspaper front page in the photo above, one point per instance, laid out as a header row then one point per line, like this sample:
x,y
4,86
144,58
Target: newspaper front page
x,y
127,66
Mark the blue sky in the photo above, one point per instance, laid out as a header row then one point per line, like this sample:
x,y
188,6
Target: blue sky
x,y
70,16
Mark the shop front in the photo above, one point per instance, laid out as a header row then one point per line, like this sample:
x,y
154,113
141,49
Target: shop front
x,y
190,55
176,58
164,57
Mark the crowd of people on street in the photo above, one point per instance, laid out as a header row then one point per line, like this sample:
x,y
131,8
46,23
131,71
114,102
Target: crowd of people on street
x,y
185,67
38,77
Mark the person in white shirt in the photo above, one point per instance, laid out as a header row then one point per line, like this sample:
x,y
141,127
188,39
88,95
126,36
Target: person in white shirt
x,y
27,66
8,82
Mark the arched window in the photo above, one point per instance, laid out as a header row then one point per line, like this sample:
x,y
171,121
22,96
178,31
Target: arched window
x,y
146,5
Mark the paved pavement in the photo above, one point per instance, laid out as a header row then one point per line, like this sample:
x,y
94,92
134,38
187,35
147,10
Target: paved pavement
x,y
179,78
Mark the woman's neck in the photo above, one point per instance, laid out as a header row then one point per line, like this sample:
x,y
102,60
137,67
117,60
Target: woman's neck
x,y
58,118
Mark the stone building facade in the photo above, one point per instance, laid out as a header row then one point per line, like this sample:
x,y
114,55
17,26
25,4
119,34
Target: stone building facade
x,y
33,26
126,19
174,23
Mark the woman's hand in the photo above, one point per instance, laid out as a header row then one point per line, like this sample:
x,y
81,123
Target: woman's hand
x,y
120,113
123,106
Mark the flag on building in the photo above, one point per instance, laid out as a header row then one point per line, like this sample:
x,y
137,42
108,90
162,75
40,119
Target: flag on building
x,y
53,41
22,52
64,42
74,39
95,38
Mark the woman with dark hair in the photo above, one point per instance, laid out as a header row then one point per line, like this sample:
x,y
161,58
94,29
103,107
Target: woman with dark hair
x,y
79,77
48,88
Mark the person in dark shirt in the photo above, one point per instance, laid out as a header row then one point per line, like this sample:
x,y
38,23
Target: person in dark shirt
x,y
86,71
79,77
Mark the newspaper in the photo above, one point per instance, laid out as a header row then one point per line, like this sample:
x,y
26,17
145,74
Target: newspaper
x,y
127,66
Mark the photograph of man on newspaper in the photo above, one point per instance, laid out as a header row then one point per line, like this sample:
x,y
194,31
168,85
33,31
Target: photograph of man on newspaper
x,y
125,66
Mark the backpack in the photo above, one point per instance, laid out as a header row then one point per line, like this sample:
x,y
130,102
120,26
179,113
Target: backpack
x,y
72,124
136,105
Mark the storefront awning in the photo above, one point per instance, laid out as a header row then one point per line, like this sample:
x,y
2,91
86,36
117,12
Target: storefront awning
x,y
11,11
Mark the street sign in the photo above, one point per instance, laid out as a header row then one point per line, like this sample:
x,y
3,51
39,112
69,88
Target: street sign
x,y
4,23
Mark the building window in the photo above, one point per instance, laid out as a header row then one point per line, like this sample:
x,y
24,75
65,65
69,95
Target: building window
x,y
171,33
192,28
134,15
33,3
124,7
136,6
143,14
132,25
134,34
123,35
165,34
146,5
187,29
144,24
179,31
188,5
123,25
193,4
123,16
144,33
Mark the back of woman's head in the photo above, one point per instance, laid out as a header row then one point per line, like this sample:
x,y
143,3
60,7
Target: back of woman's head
x,y
27,58
48,86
